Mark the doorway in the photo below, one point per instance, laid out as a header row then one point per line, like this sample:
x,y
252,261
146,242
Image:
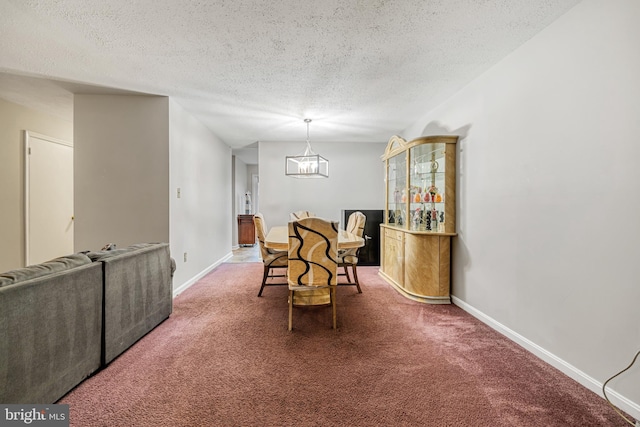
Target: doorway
x,y
48,196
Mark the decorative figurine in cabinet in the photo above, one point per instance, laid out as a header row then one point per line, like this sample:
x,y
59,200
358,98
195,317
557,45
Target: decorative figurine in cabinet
x,y
420,217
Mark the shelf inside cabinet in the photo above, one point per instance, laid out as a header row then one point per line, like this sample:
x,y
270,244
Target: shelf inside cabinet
x,y
428,204
422,175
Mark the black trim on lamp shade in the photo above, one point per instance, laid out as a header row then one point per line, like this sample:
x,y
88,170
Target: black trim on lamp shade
x,y
307,166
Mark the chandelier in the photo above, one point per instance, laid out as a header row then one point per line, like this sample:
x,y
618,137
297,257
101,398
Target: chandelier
x,y
307,165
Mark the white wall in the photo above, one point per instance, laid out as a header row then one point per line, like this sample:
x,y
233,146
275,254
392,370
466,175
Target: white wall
x,y
356,180
121,162
548,181
201,218
14,120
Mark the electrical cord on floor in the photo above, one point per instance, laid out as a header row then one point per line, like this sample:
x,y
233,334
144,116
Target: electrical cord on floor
x,y
605,393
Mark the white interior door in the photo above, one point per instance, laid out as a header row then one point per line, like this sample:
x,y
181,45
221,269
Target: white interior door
x,y
48,198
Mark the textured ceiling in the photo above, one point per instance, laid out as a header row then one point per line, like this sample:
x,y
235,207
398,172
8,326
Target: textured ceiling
x,y
251,70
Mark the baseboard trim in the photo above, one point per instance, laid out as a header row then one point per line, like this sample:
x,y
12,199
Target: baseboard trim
x,y
622,402
186,285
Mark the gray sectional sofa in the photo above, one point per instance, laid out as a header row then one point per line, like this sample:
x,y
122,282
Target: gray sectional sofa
x,y
62,320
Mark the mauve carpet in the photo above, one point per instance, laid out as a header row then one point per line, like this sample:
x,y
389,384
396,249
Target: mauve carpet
x,y
225,358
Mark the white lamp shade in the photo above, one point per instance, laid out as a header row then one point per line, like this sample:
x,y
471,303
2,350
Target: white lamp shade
x,y
307,166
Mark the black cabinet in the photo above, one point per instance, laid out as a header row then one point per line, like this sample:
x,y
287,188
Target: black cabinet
x,y
370,253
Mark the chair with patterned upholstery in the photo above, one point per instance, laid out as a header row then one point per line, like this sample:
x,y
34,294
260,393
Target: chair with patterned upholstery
x,y
271,259
349,257
313,251
294,216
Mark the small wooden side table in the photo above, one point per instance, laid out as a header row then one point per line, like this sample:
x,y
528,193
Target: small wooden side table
x,y
246,230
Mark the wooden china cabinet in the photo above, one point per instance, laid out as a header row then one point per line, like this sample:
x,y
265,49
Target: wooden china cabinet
x,y
420,217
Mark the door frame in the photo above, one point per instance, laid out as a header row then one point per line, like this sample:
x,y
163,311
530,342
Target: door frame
x,y
27,135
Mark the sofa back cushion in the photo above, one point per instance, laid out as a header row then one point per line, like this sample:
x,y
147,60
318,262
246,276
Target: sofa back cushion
x,y
38,270
103,255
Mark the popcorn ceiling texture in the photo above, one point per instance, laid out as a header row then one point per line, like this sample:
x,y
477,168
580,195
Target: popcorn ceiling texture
x,y
253,69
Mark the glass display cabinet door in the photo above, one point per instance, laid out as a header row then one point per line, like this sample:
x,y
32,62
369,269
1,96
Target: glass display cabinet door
x,y
397,197
427,188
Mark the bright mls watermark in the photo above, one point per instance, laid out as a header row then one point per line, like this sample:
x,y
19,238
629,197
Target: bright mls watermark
x,y
34,415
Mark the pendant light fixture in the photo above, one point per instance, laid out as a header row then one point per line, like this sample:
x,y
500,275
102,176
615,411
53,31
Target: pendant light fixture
x,y
307,165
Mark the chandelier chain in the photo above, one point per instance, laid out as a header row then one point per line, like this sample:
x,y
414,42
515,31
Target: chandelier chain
x,y
307,121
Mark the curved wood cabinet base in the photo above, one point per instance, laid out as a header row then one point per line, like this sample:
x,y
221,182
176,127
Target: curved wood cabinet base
x,y
419,298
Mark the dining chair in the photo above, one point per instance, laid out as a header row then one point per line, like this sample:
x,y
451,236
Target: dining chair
x,y
349,257
313,250
294,216
271,259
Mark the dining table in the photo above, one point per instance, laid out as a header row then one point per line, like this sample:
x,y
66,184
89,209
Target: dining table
x,y
278,239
